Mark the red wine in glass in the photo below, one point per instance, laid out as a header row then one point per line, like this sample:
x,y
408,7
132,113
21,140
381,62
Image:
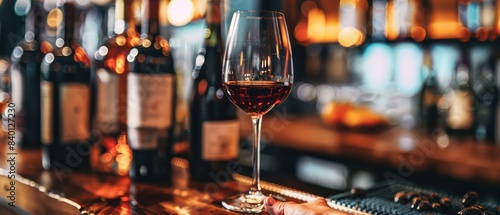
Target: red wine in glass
x,y
257,97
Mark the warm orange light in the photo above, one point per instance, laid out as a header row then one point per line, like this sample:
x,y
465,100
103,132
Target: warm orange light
x,y
498,18
418,33
81,56
202,87
120,64
464,34
443,29
443,20
46,47
392,28
300,32
332,28
316,25
481,34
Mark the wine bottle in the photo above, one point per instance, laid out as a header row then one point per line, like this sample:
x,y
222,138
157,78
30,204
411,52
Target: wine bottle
x,y
65,100
213,128
486,98
111,69
429,97
151,100
460,114
25,77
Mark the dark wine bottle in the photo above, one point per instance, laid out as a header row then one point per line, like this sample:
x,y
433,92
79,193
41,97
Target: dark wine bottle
x,y
213,128
111,69
486,99
151,100
460,114
65,100
25,79
429,96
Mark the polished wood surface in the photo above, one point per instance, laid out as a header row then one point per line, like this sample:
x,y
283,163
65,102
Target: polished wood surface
x,y
112,194
99,193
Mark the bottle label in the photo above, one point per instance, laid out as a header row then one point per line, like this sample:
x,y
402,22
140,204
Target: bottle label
x,y
149,100
140,138
220,140
18,92
17,88
107,101
75,112
46,89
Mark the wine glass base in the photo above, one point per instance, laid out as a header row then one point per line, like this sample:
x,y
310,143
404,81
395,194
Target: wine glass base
x,y
245,203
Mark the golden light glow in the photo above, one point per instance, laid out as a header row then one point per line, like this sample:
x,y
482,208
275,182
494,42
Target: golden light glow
x,y
121,40
66,51
180,12
54,18
315,25
392,28
163,16
332,28
498,18
120,64
348,3
443,29
349,36
443,20
146,43
200,8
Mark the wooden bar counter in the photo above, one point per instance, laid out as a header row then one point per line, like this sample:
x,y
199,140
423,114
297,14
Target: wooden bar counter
x,y
98,193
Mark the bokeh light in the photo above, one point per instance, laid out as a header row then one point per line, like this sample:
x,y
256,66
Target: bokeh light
x,y
180,12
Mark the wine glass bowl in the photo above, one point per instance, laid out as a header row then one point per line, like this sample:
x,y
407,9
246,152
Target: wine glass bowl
x,y
257,75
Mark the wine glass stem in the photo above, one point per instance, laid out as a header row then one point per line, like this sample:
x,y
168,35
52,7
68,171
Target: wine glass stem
x,y
256,121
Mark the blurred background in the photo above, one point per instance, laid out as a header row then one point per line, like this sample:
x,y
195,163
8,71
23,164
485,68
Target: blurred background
x,y
383,89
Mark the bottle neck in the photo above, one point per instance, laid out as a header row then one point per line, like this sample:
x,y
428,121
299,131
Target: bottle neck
x,y
67,28
213,32
33,26
150,25
123,16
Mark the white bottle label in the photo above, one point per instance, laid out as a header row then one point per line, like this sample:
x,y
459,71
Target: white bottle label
x,y
46,105
149,100
220,140
143,138
107,101
75,113
17,88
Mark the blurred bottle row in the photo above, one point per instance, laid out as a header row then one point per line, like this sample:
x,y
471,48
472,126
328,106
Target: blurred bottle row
x,y
116,109
352,22
450,86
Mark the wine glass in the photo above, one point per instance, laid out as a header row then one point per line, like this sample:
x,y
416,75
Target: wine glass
x,y
257,74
